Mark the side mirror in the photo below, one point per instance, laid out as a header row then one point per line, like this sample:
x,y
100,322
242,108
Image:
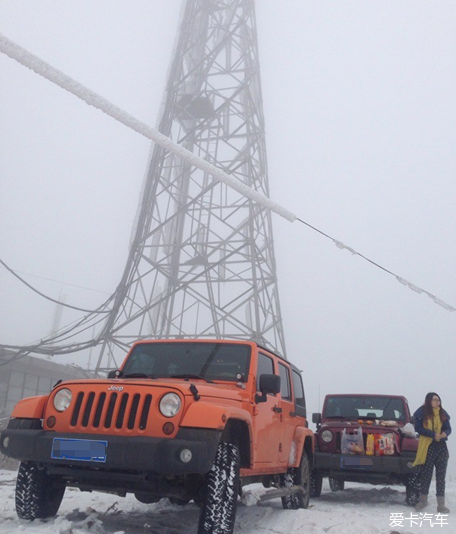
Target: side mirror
x,y
412,420
316,418
113,374
268,384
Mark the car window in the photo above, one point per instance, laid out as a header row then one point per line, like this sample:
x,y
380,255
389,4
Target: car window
x,y
285,389
265,367
365,406
298,389
213,361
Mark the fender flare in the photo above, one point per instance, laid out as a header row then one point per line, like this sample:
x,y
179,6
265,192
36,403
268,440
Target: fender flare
x,y
303,440
30,408
211,415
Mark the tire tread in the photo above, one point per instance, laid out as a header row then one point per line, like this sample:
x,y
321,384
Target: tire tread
x,y
218,512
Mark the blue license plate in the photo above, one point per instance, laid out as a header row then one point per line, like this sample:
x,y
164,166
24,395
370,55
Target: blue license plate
x,y
356,462
79,449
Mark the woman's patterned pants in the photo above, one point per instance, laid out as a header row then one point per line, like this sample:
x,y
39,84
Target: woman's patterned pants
x,y
437,456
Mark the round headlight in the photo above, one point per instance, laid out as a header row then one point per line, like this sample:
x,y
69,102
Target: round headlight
x,y
62,399
170,404
327,436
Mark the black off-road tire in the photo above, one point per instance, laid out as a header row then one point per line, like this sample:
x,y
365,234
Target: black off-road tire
x,y
316,484
37,495
336,484
218,511
297,476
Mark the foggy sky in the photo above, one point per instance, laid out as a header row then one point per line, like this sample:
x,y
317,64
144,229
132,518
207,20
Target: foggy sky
x,y
360,129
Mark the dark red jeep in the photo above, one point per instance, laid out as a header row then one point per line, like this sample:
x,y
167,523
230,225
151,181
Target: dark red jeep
x,y
364,438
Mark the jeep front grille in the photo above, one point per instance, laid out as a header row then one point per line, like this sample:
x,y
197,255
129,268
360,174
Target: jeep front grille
x,y
339,440
113,410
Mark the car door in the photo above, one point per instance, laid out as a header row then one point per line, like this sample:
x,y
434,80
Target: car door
x,y
287,414
266,419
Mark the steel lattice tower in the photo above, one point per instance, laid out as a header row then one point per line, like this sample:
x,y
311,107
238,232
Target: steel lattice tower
x,y
201,261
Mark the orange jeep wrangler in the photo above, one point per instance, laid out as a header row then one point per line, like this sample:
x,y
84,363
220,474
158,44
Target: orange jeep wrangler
x,y
182,419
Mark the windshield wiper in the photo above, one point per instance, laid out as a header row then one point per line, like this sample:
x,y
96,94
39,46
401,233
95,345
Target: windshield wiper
x,y
189,376
341,417
138,375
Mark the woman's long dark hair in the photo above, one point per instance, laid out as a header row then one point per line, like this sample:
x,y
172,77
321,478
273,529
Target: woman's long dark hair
x,y
428,411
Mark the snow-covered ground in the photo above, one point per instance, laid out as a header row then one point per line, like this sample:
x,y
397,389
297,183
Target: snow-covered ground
x,y
359,509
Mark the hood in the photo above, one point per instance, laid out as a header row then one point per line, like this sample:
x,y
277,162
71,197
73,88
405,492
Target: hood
x,y
339,426
225,390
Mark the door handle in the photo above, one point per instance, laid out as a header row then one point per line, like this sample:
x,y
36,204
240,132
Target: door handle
x,y
276,409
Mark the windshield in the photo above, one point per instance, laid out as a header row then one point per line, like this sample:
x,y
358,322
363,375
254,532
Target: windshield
x,y
364,407
210,361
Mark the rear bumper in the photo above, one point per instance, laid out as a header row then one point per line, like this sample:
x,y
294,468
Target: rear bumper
x,y
362,466
156,455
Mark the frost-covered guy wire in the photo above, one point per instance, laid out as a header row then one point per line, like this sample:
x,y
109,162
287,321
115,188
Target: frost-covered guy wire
x,y
26,58
404,282
2,263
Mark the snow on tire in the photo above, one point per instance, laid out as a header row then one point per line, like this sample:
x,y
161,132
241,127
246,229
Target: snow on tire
x,y
297,476
37,495
336,484
218,510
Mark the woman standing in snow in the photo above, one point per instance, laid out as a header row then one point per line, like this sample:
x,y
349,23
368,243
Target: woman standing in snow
x,y
433,425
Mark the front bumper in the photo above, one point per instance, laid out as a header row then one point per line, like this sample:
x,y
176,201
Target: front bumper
x,y
363,466
155,455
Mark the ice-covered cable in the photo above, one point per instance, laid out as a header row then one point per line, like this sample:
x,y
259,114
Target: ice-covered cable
x,y
26,58
404,282
50,298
